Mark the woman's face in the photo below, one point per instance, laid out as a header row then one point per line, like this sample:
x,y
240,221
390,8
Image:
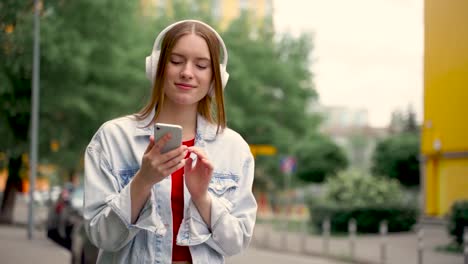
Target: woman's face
x,y
188,71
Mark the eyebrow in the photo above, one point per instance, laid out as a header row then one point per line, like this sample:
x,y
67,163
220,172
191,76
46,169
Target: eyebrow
x,y
198,58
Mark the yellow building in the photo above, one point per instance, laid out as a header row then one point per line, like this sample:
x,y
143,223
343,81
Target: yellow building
x,y
225,11
444,145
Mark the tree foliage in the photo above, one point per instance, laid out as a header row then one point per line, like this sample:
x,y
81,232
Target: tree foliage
x,y
88,74
397,157
404,121
318,158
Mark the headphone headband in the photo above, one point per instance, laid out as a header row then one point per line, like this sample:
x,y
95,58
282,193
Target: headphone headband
x,y
161,35
153,58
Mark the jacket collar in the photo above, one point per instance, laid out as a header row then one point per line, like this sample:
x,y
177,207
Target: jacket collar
x,y
205,129
142,128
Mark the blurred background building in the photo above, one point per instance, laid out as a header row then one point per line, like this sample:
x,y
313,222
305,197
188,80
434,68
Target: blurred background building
x,y
350,129
444,145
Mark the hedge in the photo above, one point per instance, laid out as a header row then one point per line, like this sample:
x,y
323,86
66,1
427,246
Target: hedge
x,y
399,218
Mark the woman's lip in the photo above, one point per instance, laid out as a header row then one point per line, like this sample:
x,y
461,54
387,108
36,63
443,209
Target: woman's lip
x,y
184,86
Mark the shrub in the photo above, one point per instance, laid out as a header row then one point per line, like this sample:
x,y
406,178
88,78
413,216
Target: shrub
x,y
458,220
354,188
368,199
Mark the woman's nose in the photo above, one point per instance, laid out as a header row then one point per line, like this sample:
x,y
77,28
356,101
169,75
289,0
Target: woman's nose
x,y
187,71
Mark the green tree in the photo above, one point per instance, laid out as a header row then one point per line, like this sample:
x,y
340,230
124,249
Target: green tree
x,y
318,158
404,121
269,89
397,157
88,74
411,124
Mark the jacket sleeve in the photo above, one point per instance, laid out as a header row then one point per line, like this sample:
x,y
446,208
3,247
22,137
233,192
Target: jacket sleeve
x,y
232,221
107,206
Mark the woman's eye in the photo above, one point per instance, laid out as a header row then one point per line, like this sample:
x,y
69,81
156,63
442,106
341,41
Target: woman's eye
x,y
202,66
176,62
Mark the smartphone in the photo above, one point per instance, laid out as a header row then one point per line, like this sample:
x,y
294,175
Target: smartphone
x,y
161,129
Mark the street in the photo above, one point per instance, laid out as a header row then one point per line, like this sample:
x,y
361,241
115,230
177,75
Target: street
x,y
259,256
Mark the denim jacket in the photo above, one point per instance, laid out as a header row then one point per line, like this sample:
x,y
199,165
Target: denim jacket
x,y
114,156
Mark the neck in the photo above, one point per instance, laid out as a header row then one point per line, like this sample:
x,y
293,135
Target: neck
x,y
185,116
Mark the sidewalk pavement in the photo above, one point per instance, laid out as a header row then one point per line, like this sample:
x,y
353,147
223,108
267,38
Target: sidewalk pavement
x,y
20,214
260,256
401,247
15,247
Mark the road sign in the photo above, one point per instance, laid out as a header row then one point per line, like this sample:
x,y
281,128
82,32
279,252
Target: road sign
x,y
288,164
267,150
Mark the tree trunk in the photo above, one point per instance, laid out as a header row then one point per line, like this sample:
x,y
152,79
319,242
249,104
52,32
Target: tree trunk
x,y
13,185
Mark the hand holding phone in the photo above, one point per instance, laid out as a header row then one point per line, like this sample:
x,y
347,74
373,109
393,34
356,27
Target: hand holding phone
x,y
161,129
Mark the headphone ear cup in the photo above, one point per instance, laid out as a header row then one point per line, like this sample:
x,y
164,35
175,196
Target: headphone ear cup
x,y
224,79
148,66
152,65
224,75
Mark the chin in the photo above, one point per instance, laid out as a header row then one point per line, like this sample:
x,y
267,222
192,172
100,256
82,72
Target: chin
x,y
185,100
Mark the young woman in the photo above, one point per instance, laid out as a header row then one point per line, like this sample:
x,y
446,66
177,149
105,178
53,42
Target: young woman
x,y
193,204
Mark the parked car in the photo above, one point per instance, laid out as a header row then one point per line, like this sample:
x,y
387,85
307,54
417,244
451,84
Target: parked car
x,y
56,229
65,226
82,250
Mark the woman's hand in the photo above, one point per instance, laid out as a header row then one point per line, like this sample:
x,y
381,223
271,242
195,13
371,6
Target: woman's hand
x,y
197,178
156,166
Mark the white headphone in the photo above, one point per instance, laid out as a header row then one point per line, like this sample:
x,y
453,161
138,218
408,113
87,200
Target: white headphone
x,y
152,60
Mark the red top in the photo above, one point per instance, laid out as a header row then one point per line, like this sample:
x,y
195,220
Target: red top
x,y
179,253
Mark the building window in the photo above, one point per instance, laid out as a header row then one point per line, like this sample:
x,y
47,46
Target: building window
x,y
160,7
268,7
243,5
216,4
195,6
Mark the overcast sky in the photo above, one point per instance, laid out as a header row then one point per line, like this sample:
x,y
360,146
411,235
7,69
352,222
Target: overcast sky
x,y
368,53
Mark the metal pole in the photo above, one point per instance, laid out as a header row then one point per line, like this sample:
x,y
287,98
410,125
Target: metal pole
x,y
284,238
34,118
304,236
420,245
352,237
266,235
383,242
284,234
326,235
465,244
